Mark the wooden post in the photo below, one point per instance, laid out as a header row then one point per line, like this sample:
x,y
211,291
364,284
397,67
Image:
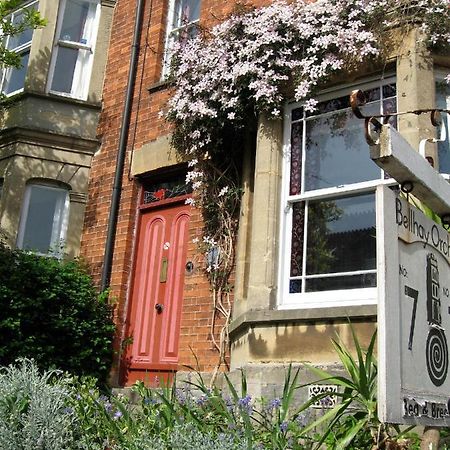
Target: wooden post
x,y
430,439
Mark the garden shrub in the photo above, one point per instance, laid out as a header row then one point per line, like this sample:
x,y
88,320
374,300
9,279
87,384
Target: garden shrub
x,y
33,411
188,437
51,312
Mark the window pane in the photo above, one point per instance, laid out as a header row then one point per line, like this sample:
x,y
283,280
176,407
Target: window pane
x,y
342,282
74,26
295,286
341,235
333,238
336,151
44,209
155,192
26,35
183,35
296,158
297,114
443,102
15,78
186,11
298,223
389,90
64,69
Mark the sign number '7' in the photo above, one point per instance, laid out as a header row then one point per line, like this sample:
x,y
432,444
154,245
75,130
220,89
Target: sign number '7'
x,y
414,294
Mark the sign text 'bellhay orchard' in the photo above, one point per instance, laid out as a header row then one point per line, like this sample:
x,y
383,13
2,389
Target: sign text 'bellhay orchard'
x,y
414,311
435,236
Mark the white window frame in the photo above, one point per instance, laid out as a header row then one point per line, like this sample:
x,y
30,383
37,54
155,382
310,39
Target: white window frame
x,y
83,67
21,50
330,298
60,219
170,32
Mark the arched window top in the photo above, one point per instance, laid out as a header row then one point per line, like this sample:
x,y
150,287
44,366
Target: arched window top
x,y
49,182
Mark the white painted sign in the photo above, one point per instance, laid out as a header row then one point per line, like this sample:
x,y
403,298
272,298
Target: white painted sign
x,y
329,401
413,258
394,155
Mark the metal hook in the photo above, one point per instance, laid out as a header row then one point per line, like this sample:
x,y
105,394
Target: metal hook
x,y
372,131
436,121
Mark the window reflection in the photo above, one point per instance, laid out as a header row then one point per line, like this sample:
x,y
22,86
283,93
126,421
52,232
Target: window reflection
x,y
43,219
341,235
336,151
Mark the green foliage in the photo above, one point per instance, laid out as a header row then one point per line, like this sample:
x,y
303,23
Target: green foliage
x,y
193,416
33,411
158,421
353,423
50,311
73,413
197,416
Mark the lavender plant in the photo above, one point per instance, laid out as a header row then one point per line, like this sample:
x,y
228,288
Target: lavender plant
x,y
33,409
250,65
187,437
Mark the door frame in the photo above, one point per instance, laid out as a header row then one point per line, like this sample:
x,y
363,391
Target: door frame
x,y
166,371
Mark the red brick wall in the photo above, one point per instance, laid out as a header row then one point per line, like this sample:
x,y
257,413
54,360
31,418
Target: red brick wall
x,y
146,125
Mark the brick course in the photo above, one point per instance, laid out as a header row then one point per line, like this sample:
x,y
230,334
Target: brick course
x,y
146,125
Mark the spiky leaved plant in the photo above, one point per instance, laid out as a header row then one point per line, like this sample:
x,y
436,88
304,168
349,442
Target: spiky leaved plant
x,y
353,423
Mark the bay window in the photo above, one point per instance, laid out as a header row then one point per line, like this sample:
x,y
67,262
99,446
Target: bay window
x,y
328,243
44,218
72,60
12,78
182,24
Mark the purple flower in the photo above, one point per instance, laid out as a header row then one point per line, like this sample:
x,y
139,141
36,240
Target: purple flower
x,y
151,401
118,414
245,404
284,427
201,400
245,401
275,403
302,420
108,406
326,402
228,402
181,396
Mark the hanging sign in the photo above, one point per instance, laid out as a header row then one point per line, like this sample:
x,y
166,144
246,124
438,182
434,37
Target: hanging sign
x,y
413,258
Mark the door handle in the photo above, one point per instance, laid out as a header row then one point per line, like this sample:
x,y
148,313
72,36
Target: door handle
x,y
159,308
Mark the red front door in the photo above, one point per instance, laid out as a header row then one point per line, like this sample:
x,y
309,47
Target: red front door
x,y
157,293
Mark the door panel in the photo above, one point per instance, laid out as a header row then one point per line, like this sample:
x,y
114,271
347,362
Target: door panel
x,y
153,236
157,293
174,288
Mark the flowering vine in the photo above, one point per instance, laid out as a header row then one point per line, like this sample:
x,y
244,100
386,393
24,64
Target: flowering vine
x,y
250,64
